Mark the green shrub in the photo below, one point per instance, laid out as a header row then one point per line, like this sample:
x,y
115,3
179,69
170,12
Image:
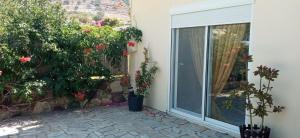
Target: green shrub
x,y
110,22
41,50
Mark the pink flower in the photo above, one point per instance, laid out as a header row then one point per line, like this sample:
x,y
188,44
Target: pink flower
x,y
93,22
1,72
24,59
131,43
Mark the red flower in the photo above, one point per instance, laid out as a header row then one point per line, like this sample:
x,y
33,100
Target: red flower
x,y
131,43
87,30
125,53
100,47
24,59
80,96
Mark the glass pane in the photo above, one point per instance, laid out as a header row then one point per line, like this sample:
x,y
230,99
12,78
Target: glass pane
x,y
190,69
228,46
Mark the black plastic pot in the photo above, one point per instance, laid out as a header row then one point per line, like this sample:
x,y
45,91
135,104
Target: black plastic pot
x,y
256,132
135,102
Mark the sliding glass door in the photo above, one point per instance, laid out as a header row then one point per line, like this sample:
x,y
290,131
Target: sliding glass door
x,y
228,53
189,69
210,62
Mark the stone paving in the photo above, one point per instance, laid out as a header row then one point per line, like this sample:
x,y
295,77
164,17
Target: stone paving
x,y
104,122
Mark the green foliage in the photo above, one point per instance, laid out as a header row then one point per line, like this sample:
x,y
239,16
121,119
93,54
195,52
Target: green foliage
x,y
97,17
266,77
113,22
28,29
60,55
145,76
258,100
132,33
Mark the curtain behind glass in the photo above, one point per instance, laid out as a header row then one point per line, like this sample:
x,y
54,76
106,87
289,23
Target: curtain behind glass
x,y
225,44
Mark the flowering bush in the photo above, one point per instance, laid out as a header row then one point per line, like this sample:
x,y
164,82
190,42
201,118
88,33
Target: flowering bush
x,y
145,76
41,50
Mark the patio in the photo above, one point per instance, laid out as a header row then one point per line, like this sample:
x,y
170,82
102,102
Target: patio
x,y
108,122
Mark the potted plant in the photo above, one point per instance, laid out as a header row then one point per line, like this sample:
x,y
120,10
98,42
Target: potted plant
x,y
132,46
259,102
143,79
132,36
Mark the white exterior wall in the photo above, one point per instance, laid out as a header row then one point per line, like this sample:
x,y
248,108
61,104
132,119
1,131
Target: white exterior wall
x,y
153,17
275,42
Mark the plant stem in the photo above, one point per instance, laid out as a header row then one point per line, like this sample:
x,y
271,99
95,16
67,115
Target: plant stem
x,y
268,88
260,83
264,105
263,102
250,111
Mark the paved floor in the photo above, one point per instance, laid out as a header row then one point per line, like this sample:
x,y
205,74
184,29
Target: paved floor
x,y
108,122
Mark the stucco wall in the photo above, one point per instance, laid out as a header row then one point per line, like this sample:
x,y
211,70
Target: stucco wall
x,y
153,17
275,42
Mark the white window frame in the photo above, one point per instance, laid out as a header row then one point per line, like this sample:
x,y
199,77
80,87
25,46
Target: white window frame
x,y
195,15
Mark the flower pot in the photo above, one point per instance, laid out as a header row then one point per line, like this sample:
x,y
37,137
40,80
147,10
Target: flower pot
x,y
135,102
256,132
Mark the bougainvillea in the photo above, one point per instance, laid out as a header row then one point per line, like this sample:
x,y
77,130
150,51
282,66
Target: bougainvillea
x,y
41,50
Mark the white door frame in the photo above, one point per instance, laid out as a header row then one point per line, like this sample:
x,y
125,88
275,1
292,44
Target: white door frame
x,y
180,12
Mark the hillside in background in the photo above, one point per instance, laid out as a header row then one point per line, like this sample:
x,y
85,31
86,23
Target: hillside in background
x,y
87,10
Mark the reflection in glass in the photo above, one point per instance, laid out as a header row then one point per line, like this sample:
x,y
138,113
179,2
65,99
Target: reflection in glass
x,y
228,46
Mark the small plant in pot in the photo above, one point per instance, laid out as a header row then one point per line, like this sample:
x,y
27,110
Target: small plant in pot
x,y
259,102
143,79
